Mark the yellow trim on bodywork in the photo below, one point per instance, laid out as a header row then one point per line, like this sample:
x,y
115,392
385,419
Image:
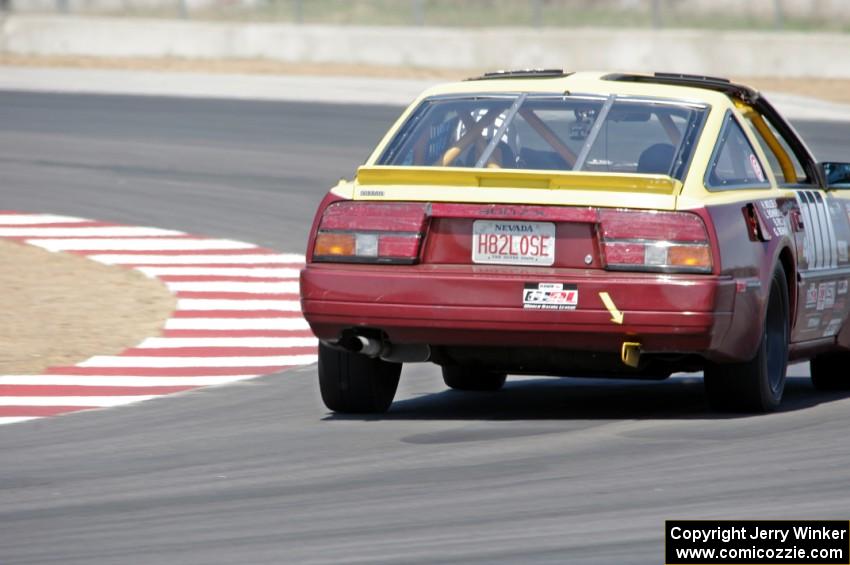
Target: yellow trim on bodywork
x,y
513,178
508,186
724,197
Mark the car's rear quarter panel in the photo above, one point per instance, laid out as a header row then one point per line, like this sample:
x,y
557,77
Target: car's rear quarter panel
x,y
749,263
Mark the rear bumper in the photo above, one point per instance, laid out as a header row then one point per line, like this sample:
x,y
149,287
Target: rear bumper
x,y
462,305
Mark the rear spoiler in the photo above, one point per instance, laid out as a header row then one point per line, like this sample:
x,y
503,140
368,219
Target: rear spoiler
x,y
511,178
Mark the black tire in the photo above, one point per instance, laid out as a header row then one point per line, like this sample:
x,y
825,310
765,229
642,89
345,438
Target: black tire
x,y
356,384
756,385
829,371
472,378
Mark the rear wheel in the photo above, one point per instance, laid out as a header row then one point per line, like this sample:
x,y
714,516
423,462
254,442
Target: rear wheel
x,y
756,385
472,378
829,371
354,383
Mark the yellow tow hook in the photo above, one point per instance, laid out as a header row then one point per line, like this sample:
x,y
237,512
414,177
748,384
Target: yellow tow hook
x,y
630,353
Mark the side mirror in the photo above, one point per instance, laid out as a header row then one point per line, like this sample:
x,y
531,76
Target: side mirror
x,y
837,175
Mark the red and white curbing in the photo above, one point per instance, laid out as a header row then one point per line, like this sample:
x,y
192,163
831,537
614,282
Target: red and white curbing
x,y
237,316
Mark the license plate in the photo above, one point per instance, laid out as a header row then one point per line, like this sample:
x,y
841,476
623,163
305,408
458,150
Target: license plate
x,y
513,243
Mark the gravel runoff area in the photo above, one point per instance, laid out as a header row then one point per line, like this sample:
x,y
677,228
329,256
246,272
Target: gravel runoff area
x,y
835,90
60,309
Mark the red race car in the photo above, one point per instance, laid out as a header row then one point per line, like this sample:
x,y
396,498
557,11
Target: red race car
x,y
547,223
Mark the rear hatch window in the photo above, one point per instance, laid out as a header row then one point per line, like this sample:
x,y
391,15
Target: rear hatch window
x,y
543,132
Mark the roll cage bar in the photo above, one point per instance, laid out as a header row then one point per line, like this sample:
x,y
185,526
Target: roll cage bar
x,y
682,142
733,90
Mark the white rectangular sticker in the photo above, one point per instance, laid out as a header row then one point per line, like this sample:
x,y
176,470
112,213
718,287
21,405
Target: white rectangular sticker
x,y
826,296
812,295
549,296
507,242
833,327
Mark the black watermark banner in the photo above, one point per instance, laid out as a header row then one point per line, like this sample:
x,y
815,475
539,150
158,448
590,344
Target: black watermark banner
x,y
757,542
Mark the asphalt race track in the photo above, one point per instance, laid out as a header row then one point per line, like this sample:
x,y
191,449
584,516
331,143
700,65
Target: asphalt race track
x,y
548,470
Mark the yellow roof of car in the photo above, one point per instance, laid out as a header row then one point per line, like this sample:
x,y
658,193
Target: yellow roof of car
x,y
546,187
583,83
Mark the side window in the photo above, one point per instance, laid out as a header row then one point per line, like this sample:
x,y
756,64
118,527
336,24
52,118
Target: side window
x,y
786,167
734,163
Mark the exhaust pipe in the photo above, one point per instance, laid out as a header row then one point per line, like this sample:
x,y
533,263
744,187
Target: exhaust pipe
x,y
371,347
368,346
630,353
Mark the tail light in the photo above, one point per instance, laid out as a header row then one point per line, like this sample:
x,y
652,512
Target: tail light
x,y
669,242
365,232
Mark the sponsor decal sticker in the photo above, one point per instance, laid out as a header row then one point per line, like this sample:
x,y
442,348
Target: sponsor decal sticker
x,y
833,327
774,217
549,296
754,163
826,296
829,299
813,322
842,287
812,295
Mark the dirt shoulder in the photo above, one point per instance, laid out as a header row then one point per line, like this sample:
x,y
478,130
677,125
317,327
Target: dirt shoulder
x,y
233,66
836,90
60,309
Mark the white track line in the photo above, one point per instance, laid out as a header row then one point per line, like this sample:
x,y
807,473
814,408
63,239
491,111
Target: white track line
x,y
174,362
236,324
93,401
225,286
172,342
83,231
127,381
24,219
219,272
189,259
221,304
16,419
144,244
